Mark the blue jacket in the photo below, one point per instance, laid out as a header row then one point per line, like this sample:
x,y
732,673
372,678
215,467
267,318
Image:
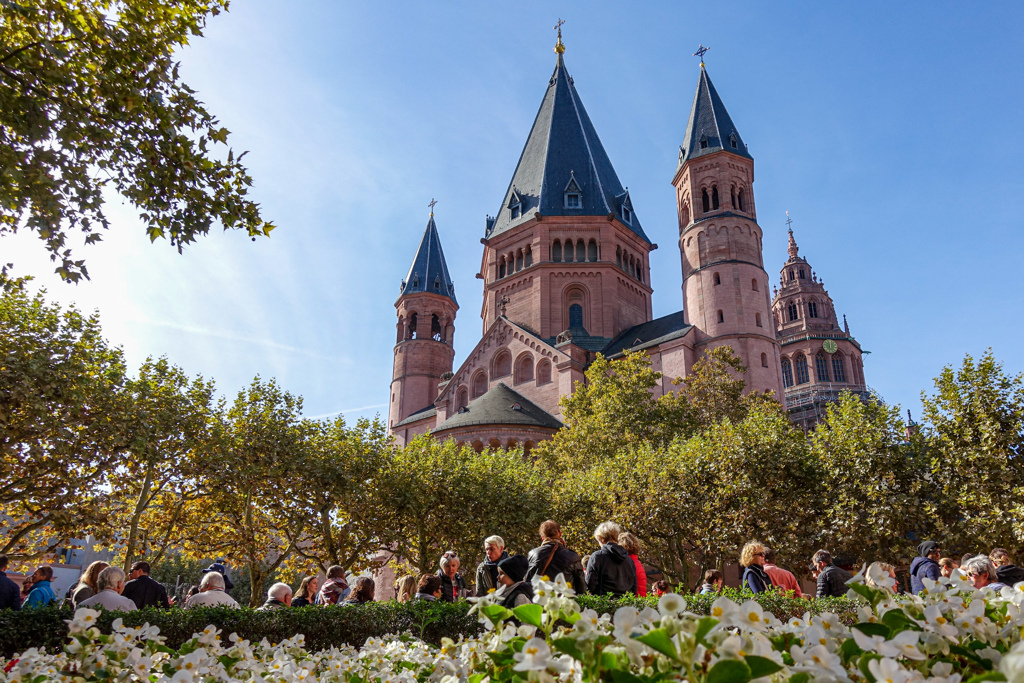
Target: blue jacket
x,y
756,579
10,594
920,568
41,595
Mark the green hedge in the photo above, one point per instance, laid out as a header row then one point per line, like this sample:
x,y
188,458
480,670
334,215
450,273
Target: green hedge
x,y
327,626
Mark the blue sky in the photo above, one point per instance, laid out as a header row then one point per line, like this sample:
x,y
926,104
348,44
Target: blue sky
x,y
890,131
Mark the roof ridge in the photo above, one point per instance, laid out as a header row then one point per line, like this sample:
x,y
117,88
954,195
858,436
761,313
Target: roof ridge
x,y
573,96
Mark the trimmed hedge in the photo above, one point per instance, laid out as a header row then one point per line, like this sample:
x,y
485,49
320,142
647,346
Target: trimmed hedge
x,y
350,625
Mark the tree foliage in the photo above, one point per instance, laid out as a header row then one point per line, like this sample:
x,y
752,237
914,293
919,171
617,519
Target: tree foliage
x,y
90,100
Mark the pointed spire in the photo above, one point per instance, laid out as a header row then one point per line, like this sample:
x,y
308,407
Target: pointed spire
x,y
794,251
710,128
429,271
846,325
563,147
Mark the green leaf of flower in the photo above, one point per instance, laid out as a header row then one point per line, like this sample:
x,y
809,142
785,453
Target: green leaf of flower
x,y
762,666
529,614
729,671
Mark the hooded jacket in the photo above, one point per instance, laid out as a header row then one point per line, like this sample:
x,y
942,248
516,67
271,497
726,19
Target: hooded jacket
x,y
565,562
920,568
1010,574
611,570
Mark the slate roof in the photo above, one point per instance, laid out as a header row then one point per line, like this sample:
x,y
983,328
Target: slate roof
x,y
649,334
429,272
496,408
563,149
711,122
429,411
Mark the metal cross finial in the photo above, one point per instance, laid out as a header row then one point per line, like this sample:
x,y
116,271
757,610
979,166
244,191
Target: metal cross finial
x,y
559,48
789,222
505,301
700,53
431,205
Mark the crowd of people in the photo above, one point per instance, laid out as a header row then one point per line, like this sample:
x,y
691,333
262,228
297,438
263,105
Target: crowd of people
x,y
614,568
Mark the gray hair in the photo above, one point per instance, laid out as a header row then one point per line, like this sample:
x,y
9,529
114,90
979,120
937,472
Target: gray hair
x,y
109,578
979,564
447,559
607,532
212,580
279,591
496,540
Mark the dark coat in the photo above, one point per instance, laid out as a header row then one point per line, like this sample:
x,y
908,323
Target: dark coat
x,y
487,575
920,568
10,594
756,579
611,570
832,582
565,562
301,602
1010,574
146,592
448,586
512,593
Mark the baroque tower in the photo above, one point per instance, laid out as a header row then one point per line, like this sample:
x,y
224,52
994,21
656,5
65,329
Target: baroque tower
x,y
820,359
424,349
725,286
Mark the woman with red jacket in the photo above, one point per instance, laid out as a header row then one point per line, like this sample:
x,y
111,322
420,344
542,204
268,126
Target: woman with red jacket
x,y
631,544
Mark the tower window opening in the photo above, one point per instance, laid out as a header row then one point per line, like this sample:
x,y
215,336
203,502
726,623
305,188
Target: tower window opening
x,y
575,316
803,275
791,277
753,284
714,197
718,279
802,375
794,312
556,252
812,309
764,360
437,283
838,371
592,250
501,268
435,328
684,219
528,257
627,215
639,271
515,211
787,373
568,251
573,200
703,142
412,325
757,319
721,316
519,261
739,200
581,251
618,257
821,367
732,142
733,193
705,202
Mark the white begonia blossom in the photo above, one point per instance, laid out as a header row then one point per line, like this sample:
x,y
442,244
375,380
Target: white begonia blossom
x,y
535,656
751,615
671,604
819,661
1012,665
880,577
888,670
905,644
936,621
724,609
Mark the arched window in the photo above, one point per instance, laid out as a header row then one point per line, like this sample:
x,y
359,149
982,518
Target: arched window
x,y
787,373
821,367
791,276
494,444
556,252
721,316
501,268
581,251
764,360
618,256
479,384
592,250
794,312
718,280
435,328
714,197
639,270
461,398
838,371
575,315
739,200
803,275
705,203
568,251
812,309
528,257
501,366
733,193
413,321
543,371
527,447
519,260
685,218
757,319
478,446
753,284
524,369
802,376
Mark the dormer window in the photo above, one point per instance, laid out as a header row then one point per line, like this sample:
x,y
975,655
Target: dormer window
x,y
437,283
627,215
517,406
733,142
703,141
573,200
515,205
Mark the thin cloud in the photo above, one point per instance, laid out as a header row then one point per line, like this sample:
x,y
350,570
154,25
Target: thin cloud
x,y
346,411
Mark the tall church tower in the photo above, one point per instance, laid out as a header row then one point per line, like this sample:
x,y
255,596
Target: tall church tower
x,y
424,349
725,286
820,359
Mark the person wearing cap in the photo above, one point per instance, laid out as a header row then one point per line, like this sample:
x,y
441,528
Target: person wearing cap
x,y
925,565
144,591
513,589
223,571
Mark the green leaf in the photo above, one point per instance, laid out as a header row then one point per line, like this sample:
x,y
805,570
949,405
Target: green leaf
x,y
623,676
529,614
495,613
659,640
729,671
503,658
704,627
862,664
800,678
849,649
762,666
897,621
568,646
870,629
988,676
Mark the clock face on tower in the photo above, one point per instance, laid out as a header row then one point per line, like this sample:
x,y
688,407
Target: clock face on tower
x,y
830,346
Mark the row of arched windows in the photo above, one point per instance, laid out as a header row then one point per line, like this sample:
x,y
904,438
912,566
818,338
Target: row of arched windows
x,y
792,311
579,252
409,328
523,370
826,369
515,261
709,199
757,318
717,279
633,265
495,444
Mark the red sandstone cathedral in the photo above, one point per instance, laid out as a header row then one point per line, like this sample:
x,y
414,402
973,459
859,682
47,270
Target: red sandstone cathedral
x,y
566,276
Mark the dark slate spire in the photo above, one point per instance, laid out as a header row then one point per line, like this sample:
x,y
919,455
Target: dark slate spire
x,y
429,272
562,156
710,129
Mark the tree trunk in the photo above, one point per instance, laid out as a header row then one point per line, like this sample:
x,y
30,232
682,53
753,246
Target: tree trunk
x,y
140,507
422,549
256,578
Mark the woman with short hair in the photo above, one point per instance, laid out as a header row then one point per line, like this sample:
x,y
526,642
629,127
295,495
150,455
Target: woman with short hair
x,y
610,569
754,576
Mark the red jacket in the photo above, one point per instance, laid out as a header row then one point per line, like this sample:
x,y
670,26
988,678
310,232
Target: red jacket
x,y
641,577
783,579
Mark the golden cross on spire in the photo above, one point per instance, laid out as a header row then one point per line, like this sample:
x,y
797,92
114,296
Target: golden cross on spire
x,y
431,205
559,47
700,53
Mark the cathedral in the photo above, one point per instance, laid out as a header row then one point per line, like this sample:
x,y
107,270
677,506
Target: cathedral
x,y
566,275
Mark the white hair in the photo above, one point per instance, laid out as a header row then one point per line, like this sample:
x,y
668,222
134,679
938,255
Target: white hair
x,y
109,578
212,580
978,564
279,591
495,540
607,531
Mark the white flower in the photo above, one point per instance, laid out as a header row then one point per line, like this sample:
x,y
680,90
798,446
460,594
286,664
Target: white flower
x,y
84,618
563,587
1012,665
937,622
905,643
880,577
724,609
751,615
670,604
536,656
887,670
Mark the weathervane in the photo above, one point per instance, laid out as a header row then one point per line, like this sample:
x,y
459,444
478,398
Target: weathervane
x,y
431,205
700,53
559,48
